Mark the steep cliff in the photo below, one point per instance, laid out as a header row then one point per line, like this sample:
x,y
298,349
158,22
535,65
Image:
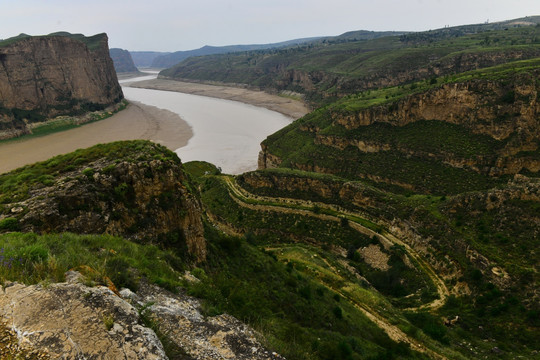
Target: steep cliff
x,y
58,74
467,132
137,190
122,60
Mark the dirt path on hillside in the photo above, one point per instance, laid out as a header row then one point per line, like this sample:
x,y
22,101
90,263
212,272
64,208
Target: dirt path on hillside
x,y
284,105
283,205
137,121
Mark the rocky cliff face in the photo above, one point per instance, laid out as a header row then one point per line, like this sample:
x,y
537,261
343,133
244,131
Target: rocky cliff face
x,y
42,77
506,111
73,321
123,63
147,200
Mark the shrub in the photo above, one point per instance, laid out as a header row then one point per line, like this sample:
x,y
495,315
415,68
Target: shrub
x,y
338,313
430,325
88,172
10,224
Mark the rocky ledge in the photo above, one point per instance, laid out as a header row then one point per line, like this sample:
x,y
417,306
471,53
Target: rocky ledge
x,y
73,321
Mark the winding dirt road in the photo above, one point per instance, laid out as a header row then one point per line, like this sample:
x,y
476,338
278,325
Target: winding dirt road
x,y
285,205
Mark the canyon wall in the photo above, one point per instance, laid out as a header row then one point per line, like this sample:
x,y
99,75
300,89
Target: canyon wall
x,y
59,74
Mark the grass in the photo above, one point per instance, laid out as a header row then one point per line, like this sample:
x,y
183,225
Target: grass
x,y
31,259
298,315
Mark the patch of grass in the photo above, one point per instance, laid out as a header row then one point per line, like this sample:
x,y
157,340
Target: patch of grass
x,y
108,321
282,303
31,259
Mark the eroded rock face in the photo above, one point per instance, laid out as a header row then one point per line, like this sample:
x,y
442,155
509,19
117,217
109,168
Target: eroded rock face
x,y
218,337
123,63
507,111
54,75
73,321
145,200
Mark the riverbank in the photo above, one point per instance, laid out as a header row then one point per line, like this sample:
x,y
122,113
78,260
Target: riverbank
x,y
137,121
284,105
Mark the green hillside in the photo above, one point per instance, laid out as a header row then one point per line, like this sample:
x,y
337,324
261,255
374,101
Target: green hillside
x,y
398,220
343,65
382,135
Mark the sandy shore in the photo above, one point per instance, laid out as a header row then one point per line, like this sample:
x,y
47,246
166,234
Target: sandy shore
x,y
137,121
286,106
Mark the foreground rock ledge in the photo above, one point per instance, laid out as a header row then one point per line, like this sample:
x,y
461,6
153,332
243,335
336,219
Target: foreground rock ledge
x,y
71,321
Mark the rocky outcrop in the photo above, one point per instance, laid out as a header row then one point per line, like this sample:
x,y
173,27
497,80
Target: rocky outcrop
x,y
46,76
73,321
483,106
123,63
507,111
146,200
218,337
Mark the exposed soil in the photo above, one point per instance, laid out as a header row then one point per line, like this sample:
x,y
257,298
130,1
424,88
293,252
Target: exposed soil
x,y
284,105
137,121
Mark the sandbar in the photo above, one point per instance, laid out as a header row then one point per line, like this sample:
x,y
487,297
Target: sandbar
x,y
137,121
285,105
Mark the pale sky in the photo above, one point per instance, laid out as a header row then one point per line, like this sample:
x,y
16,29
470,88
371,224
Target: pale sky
x,y
168,25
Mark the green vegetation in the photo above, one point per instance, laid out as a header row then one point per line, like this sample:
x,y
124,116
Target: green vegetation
x,y
92,42
14,186
299,316
425,156
31,259
392,168
348,64
490,311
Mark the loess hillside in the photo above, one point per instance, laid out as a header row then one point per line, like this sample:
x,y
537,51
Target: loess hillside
x,y
333,67
443,136
428,143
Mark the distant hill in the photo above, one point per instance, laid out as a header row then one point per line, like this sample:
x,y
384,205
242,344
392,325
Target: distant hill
x,y
145,58
168,60
123,63
333,67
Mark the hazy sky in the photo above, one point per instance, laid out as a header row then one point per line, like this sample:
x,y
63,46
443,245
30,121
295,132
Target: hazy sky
x,y
167,25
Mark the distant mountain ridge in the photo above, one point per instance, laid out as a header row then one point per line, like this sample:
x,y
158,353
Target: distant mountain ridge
x,y
168,60
145,58
333,67
123,63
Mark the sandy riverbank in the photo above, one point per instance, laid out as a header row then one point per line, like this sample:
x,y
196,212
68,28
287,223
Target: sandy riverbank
x,y
137,121
286,106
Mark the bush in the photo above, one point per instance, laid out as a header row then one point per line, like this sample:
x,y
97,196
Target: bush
x,y
10,224
430,325
338,313
88,172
